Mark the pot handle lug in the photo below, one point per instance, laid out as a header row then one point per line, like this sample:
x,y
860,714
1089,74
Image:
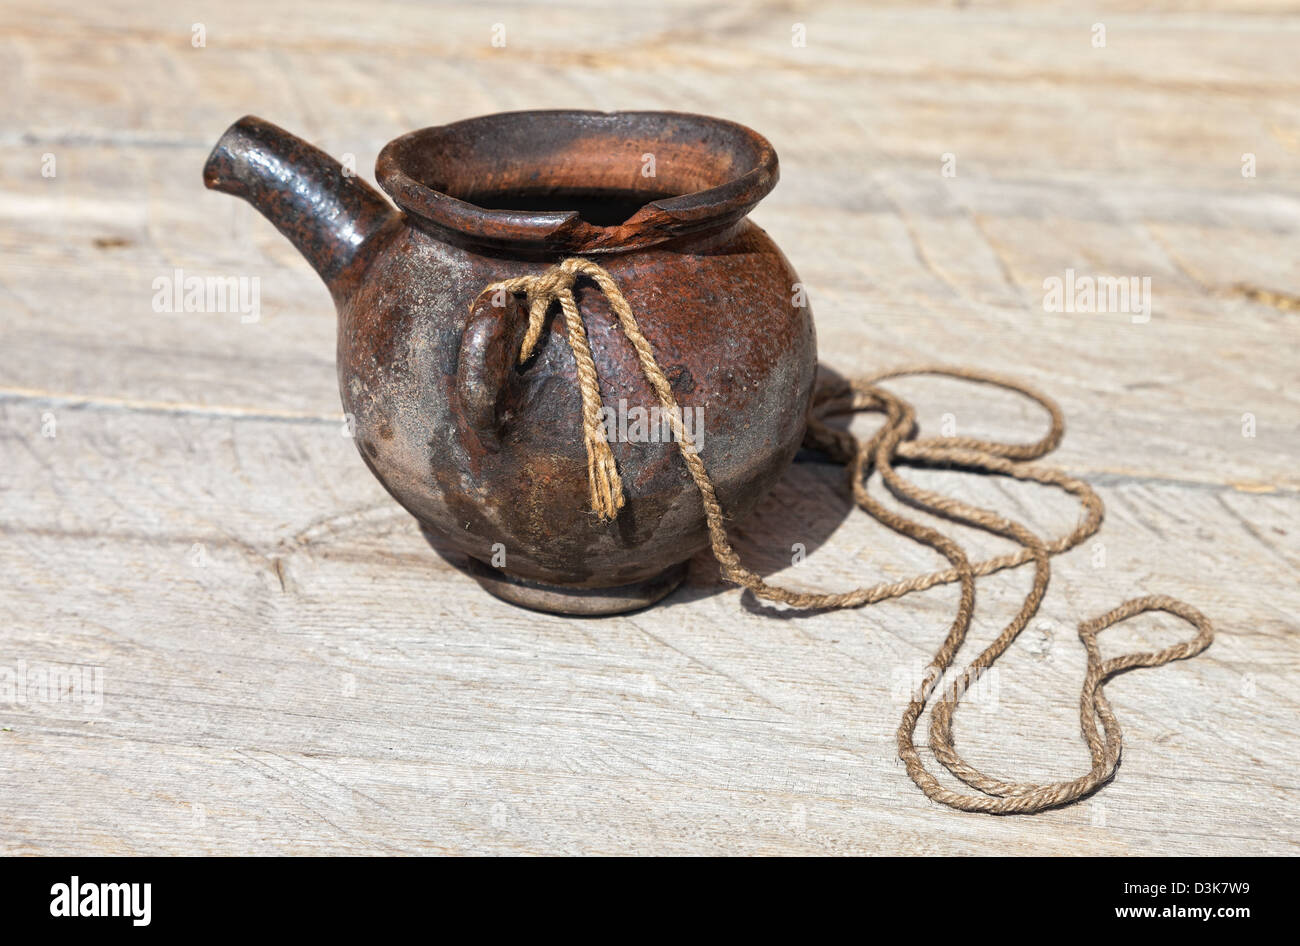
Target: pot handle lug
x,y
488,350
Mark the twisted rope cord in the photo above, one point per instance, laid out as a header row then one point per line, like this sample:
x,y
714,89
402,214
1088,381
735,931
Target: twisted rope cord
x,y
895,444
556,285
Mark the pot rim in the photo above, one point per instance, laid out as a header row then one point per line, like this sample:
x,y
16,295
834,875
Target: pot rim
x,y
722,168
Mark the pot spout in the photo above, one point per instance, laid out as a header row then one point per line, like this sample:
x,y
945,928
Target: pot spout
x,y
329,214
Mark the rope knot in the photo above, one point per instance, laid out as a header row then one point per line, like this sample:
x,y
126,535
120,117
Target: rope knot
x,y
556,285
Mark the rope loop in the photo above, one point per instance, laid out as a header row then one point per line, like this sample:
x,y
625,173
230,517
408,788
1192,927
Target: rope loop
x,y
896,444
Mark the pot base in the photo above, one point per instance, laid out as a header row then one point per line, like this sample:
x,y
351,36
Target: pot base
x,y
584,602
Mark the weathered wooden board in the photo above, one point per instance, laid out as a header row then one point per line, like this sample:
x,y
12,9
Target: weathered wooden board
x,y
287,666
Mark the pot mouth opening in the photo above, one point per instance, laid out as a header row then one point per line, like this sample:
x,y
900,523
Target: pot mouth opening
x,y
578,181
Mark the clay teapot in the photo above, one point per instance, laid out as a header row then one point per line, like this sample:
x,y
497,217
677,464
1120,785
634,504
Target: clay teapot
x,y
486,451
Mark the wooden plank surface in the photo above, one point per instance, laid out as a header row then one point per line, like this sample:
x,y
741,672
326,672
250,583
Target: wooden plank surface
x,y
287,667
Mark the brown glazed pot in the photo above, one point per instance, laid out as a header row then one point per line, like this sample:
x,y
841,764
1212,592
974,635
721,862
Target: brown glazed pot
x,y
488,454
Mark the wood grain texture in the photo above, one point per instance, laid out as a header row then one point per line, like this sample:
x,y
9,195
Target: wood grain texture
x,y
288,667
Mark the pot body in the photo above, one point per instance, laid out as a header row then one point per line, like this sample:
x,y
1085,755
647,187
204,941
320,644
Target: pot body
x,y
729,328
488,453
